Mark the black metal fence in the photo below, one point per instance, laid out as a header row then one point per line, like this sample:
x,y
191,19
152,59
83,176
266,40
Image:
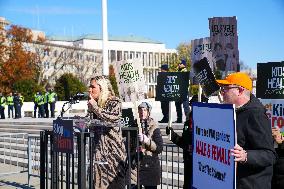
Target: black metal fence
x,y
63,170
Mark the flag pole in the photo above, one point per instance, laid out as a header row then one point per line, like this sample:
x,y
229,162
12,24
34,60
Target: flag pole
x,y
105,38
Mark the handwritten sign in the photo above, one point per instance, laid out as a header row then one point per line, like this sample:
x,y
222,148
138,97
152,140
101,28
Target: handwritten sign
x,y
270,77
130,79
213,138
63,136
172,86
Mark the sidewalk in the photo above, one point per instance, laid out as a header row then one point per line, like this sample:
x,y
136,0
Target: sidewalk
x,y
16,180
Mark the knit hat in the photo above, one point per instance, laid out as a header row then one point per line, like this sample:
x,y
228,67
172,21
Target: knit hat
x,y
238,78
183,61
165,67
145,105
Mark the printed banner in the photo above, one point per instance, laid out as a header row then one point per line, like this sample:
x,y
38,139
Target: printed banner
x,y
275,112
63,136
213,138
269,84
224,41
130,79
205,77
172,86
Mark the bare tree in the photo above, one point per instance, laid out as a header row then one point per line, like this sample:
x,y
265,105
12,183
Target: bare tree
x,y
53,60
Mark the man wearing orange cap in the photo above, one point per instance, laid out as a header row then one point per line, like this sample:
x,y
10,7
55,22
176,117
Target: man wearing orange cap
x,y
254,151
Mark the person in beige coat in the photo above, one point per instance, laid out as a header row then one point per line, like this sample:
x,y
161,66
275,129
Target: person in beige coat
x,y
109,149
151,144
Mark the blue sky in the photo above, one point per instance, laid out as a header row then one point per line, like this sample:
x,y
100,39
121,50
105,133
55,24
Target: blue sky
x,y
260,22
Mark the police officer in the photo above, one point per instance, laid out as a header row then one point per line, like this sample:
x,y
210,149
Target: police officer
x,y
2,106
40,102
35,104
10,103
17,105
46,111
52,98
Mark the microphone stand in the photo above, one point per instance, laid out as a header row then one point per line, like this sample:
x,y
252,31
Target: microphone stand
x,y
70,102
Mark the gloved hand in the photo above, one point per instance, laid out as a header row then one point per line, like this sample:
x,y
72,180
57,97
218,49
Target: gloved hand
x,y
169,130
143,138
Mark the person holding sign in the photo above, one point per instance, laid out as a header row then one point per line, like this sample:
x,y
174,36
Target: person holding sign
x,y
185,142
278,172
254,151
109,148
165,104
152,145
181,68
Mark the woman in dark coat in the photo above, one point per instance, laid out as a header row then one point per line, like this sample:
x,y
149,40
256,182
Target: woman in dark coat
x,y
151,146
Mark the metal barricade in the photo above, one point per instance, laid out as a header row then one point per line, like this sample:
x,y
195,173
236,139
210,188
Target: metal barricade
x,y
61,170
171,167
13,147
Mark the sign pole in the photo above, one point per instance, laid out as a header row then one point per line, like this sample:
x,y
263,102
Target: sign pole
x,y
170,118
199,92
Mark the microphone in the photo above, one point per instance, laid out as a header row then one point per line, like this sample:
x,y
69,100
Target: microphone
x,y
80,96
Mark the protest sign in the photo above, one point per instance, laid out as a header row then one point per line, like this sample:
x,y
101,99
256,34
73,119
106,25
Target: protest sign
x,y
63,136
214,134
200,48
172,86
224,41
127,119
205,77
269,84
275,112
130,79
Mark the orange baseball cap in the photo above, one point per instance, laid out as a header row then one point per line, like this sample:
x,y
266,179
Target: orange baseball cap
x,y
238,78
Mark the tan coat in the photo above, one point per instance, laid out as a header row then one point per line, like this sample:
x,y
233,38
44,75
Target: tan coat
x,y
109,149
150,169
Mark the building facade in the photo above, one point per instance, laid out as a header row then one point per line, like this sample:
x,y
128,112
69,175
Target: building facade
x,y
153,53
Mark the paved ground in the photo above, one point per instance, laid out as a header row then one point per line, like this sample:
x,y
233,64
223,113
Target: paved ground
x,y
15,179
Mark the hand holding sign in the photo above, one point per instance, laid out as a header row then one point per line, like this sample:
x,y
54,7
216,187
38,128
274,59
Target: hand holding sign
x,y
206,78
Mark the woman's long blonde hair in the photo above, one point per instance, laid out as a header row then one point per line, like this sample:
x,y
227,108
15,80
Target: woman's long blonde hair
x,y
106,89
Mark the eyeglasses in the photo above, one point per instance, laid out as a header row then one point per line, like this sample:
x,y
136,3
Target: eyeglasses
x,y
227,88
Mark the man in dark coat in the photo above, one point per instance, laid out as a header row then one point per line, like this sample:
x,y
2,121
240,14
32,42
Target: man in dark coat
x,y
165,104
254,151
185,142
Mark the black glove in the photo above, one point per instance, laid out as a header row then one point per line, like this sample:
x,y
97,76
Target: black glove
x,y
169,130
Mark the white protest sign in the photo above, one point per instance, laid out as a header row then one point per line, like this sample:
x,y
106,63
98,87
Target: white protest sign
x,y
130,79
214,134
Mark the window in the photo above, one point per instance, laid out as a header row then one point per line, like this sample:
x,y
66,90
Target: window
x,y
46,52
55,53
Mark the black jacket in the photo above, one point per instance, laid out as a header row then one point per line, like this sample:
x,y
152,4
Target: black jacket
x,y
185,142
254,135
